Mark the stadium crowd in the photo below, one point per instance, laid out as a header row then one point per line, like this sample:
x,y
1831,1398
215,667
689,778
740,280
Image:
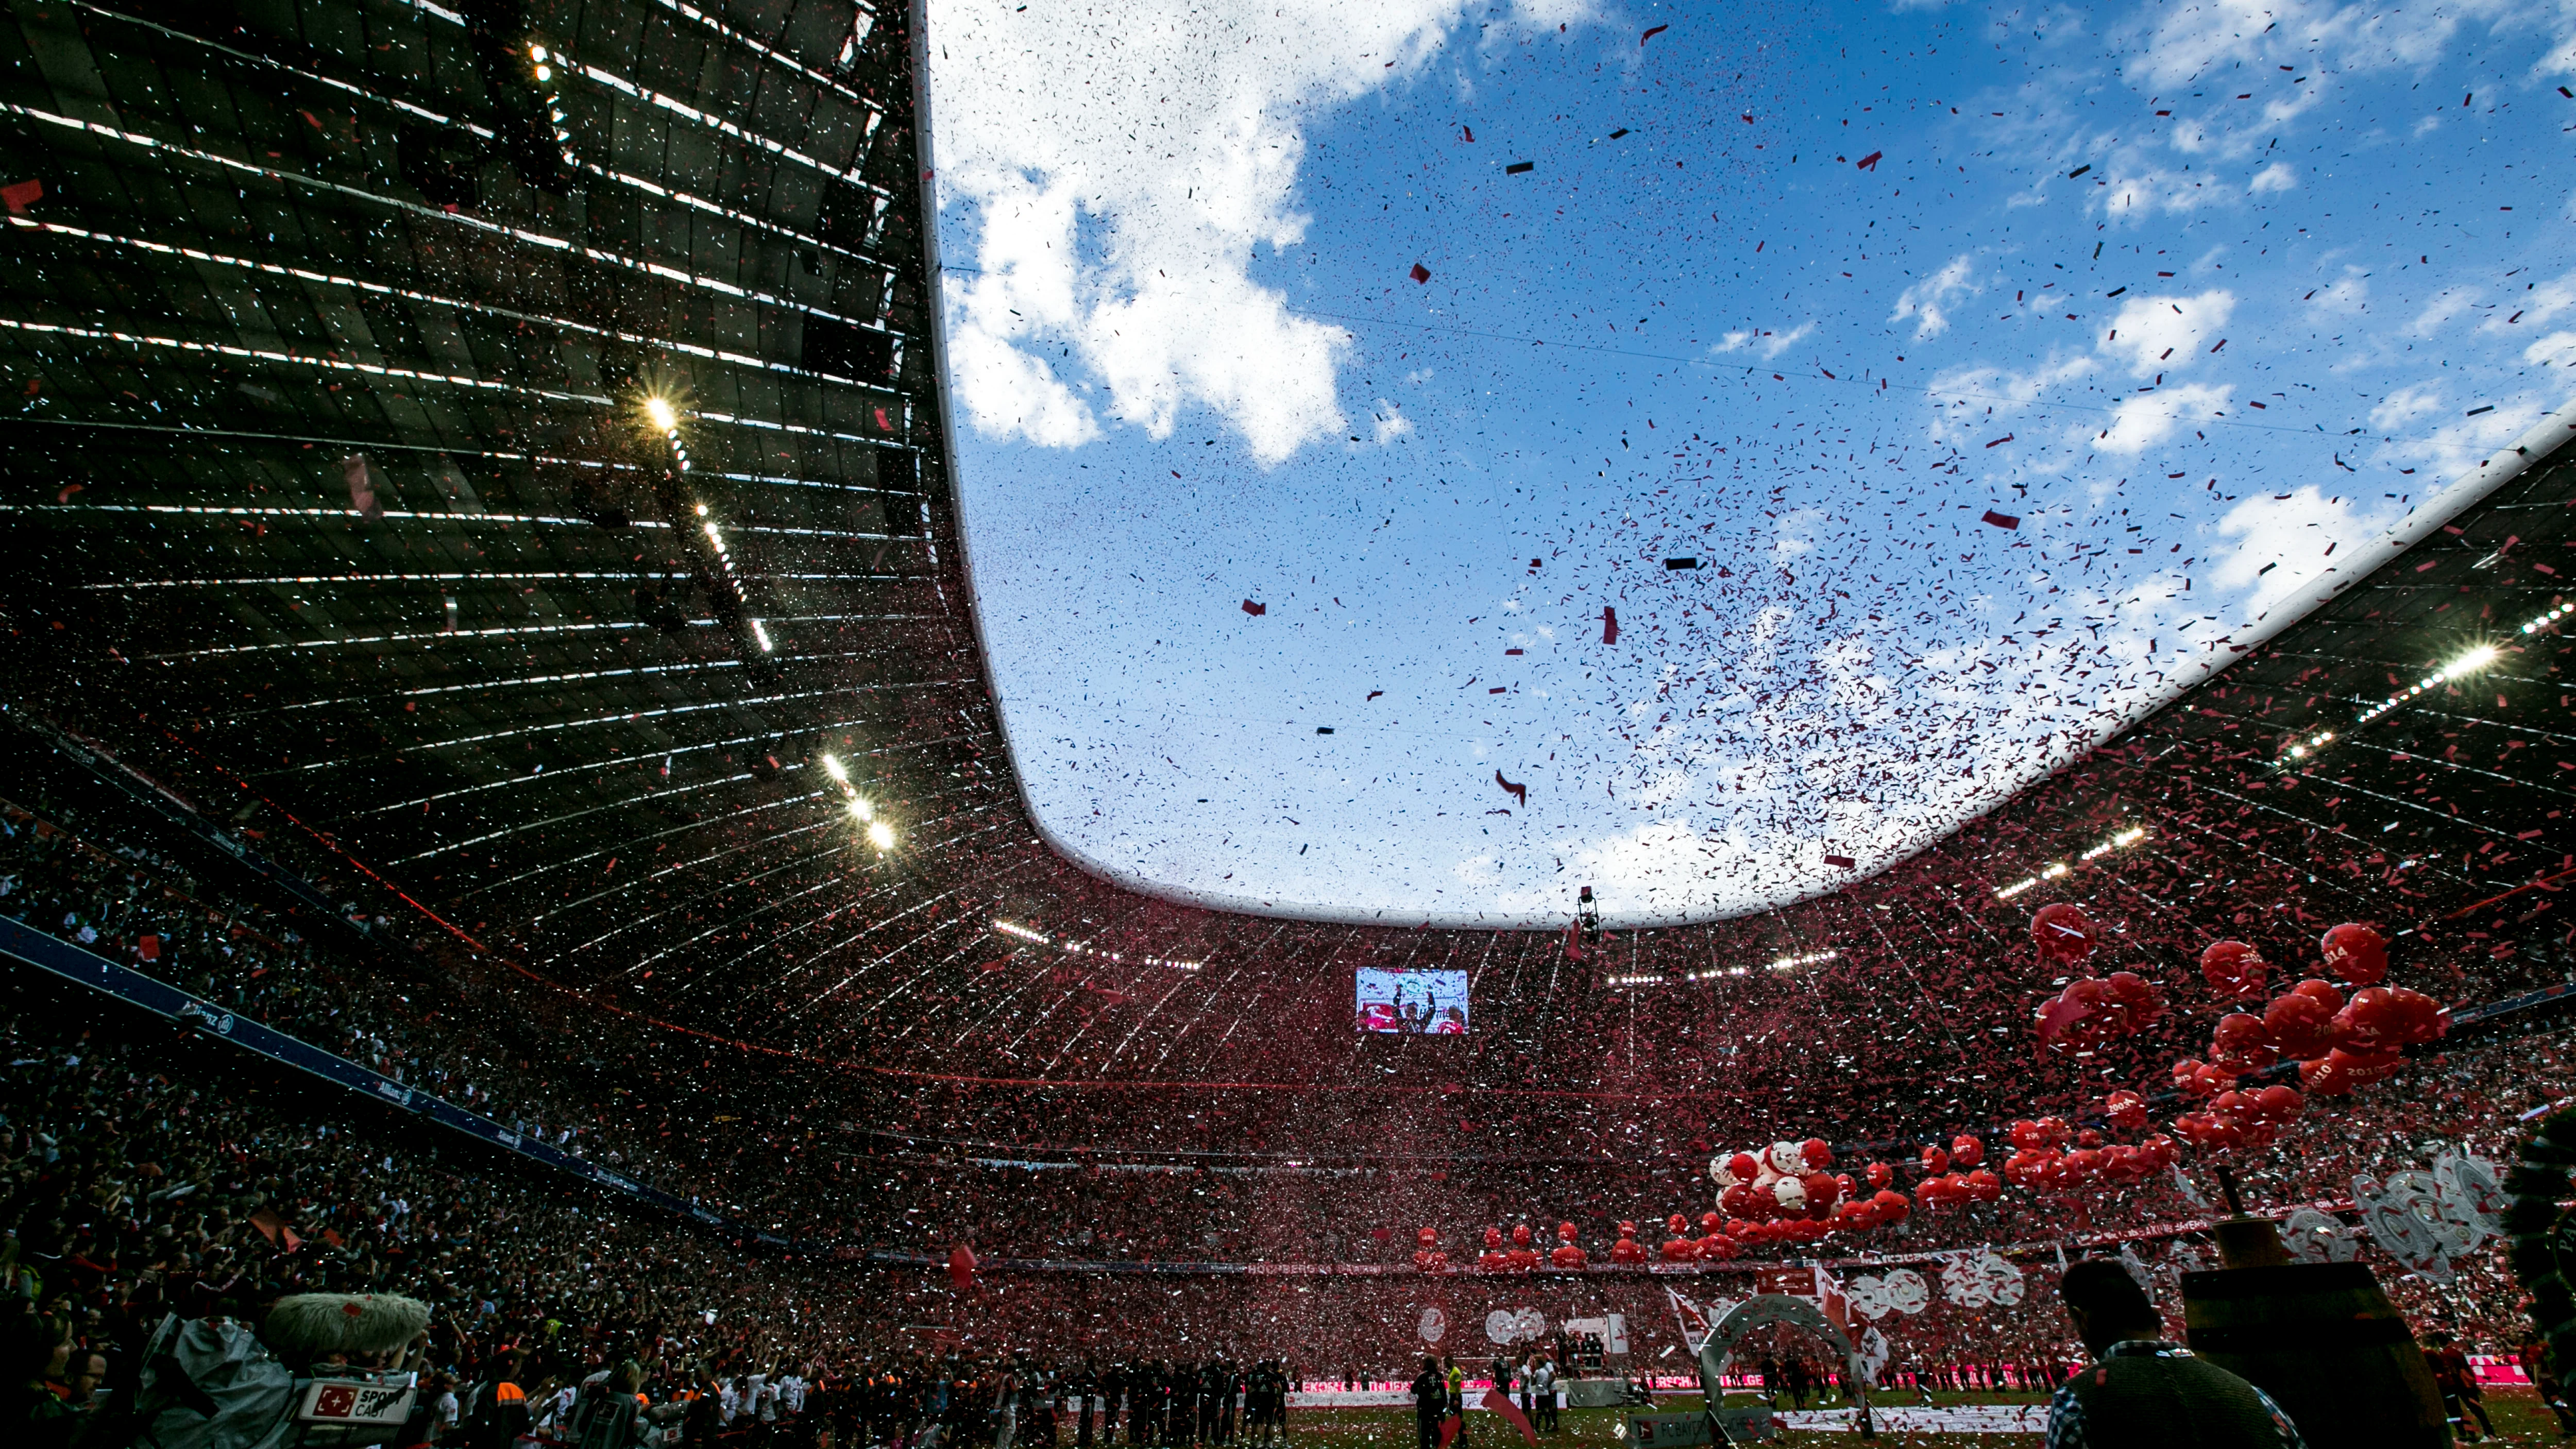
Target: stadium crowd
x,y
131,1190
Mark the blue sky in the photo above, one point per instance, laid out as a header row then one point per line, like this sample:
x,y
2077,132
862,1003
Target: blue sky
x,y
2206,297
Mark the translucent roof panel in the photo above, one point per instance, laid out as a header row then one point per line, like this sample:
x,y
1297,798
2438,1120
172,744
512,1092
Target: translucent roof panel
x,y
1418,459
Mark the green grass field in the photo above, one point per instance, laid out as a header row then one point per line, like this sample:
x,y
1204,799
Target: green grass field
x,y
2519,1420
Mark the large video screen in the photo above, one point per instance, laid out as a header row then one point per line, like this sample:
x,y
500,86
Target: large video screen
x,y
1413,1003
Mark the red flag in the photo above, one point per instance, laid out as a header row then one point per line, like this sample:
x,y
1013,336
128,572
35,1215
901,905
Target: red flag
x,y
961,1267
268,1223
1496,1401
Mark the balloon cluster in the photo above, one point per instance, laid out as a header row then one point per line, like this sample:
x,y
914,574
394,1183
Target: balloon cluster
x,y
2044,1160
2339,1044
1943,1187
2239,1119
1784,1194
1520,1257
2091,1010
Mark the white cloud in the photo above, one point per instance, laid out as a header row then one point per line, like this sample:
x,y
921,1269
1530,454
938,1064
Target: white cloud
x,y
2289,534
2462,443
2539,305
2444,306
2161,334
1391,424
1011,394
1063,131
1769,344
2556,348
1927,299
2405,405
2276,177
2350,295
2146,420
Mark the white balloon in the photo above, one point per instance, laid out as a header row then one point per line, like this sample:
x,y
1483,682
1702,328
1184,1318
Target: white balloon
x,y
1789,1192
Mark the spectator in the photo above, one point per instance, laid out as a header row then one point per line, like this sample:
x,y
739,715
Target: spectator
x,y
35,1349
1430,1404
2462,1400
2139,1388
500,1407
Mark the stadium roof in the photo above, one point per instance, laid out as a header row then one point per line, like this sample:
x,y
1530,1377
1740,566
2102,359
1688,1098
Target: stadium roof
x,y
346,521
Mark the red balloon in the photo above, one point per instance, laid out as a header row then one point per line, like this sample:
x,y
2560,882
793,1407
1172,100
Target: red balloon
x,y
2135,998
2027,1135
1822,1189
1743,1167
1738,1199
2420,1015
1892,1206
1935,1161
1880,1174
2125,1110
1817,1153
2053,1131
2234,969
2088,1138
1967,1151
2301,1024
2063,933
2322,990
1984,1186
2277,1103
2356,953
2240,1044
1711,1222
2373,1021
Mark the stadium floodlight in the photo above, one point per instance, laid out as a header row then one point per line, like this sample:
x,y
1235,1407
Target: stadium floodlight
x,y
760,632
881,835
664,416
833,767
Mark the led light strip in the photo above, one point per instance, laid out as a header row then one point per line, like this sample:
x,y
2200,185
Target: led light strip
x,y
1784,964
880,834
301,274
426,213
1075,948
2121,841
2460,668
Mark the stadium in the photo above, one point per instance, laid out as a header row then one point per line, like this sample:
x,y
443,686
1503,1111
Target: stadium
x,y
681,722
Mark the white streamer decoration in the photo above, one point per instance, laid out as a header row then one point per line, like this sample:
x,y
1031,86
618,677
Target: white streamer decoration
x,y
1901,1291
2426,1219
1980,1280
2316,1237
1906,1292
